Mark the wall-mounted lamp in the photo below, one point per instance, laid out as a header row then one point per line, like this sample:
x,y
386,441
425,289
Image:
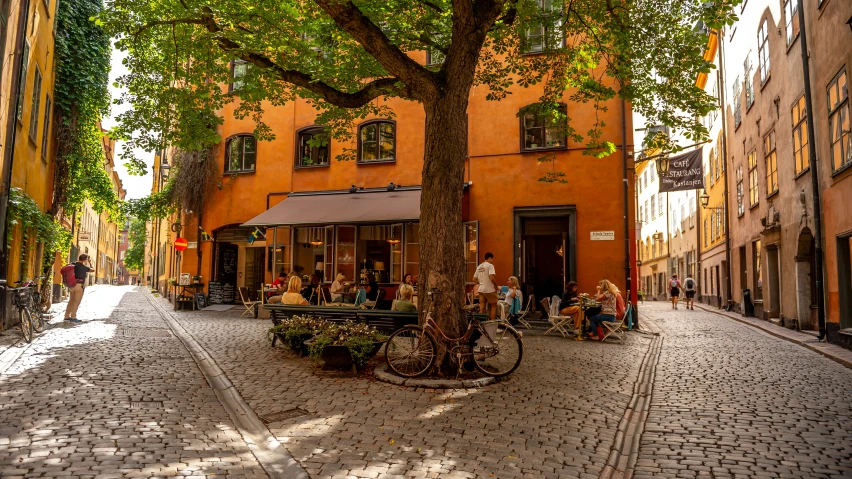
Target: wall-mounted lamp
x,y
705,199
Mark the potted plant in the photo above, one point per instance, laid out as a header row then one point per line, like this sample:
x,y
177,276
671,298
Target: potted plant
x,y
172,281
347,344
295,330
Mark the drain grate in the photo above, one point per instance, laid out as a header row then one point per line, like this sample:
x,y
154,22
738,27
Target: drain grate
x,y
146,332
146,405
282,415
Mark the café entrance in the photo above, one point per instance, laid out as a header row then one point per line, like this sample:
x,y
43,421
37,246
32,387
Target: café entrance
x,y
545,255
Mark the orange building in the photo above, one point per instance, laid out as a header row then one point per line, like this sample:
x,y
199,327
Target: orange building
x,y
323,216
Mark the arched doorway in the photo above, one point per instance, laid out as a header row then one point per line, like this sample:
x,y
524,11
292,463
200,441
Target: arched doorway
x,y
805,276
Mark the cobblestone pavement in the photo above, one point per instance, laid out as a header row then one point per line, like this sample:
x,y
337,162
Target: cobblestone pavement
x,y
555,417
105,399
732,401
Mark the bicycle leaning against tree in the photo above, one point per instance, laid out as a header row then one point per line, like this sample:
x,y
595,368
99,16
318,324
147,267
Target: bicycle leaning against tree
x,y
494,347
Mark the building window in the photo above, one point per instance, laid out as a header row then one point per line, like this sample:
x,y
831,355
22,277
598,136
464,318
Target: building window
x,y
645,175
771,163
36,105
838,121
706,233
313,147
763,51
749,87
238,72
713,227
653,171
547,33
647,213
240,153
800,135
22,81
377,141
691,214
722,159
712,166
544,129
640,214
791,10
738,113
46,127
683,217
653,206
740,192
753,196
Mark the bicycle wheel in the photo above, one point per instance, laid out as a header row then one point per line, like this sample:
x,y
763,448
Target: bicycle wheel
x,y
503,356
26,325
37,314
409,352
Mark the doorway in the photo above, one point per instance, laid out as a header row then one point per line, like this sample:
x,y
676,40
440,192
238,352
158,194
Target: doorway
x,y
844,277
805,287
545,252
254,271
226,263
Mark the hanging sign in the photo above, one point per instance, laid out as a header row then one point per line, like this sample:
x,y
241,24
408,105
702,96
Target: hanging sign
x,y
685,172
181,244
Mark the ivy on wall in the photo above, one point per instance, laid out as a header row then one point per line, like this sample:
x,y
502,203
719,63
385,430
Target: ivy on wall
x,y
35,224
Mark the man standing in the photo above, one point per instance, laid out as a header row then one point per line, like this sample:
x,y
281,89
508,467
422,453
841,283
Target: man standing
x,y
689,289
81,269
487,280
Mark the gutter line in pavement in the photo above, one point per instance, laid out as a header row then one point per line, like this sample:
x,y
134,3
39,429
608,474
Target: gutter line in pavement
x,y
269,452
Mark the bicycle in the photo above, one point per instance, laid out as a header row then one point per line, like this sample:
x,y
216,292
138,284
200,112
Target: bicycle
x,y
21,301
36,307
411,351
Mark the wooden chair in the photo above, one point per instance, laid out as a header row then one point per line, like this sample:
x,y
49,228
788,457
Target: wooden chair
x,y
251,306
614,328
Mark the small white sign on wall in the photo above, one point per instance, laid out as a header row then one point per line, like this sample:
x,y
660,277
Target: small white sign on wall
x,y
192,245
603,235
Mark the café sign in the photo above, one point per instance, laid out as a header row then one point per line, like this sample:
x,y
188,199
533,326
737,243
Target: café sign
x,y
686,172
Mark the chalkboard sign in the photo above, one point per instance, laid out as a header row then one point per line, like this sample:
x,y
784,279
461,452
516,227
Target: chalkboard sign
x,y
200,301
220,293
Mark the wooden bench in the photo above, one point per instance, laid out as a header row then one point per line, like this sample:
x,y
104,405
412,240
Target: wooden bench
x,y
384,321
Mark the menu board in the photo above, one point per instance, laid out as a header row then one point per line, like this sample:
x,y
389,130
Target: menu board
x,y
220,293
228,293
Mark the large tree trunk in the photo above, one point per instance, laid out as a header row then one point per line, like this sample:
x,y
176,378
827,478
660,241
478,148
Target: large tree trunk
x,y
442,264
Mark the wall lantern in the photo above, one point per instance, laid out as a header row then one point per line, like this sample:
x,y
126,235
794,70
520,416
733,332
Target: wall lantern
x,y
663,164
705,199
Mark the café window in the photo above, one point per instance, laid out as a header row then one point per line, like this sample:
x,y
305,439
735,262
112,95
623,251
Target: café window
x,y
313,147
542,128
279,253
377,141
412,249
240,153
346,252
379,253
471,248
309,250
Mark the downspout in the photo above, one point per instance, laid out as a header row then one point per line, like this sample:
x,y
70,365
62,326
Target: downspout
x,y
11,133
627,268
806,71
721,81
198,246
698,248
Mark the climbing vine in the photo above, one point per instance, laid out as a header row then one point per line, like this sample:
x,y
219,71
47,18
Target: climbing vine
x,y
25,213
82,99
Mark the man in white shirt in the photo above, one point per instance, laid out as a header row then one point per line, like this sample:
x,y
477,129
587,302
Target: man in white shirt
x,y
487,280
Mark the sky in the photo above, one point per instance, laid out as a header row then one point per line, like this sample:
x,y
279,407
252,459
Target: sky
x,y
136,186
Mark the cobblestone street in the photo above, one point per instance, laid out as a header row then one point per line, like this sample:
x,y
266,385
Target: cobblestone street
x,y
120,395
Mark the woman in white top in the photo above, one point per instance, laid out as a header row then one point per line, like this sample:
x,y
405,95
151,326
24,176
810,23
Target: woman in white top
x,y
337,288
513,294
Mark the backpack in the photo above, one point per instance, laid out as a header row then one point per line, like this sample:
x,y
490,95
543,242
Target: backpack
x,y
69,278
673,283
619,307
690,284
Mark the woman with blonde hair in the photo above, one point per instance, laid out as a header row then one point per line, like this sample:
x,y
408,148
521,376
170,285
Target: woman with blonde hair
x,y
607,294
336,289
293,294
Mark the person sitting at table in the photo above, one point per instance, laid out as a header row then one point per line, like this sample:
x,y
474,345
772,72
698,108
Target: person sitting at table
x,y
312,292
405,280
280,282
571,307
292,295
607,294
372,287
404,303
511,303
336,289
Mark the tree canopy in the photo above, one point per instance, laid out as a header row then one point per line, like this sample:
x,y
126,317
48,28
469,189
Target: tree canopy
x,y
342,54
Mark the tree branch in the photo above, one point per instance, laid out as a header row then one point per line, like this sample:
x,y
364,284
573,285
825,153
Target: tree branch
x,y
349,17
432,5
174,21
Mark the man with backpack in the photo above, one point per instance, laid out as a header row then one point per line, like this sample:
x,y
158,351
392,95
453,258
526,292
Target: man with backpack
x,y
689,289
74,276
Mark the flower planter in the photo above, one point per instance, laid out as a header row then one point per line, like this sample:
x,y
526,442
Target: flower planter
x,y
338,356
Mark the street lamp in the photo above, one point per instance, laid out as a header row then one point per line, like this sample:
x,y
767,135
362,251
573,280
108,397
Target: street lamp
x,y
663,164
705,199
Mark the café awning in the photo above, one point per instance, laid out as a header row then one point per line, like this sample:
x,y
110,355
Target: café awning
x,y
338,208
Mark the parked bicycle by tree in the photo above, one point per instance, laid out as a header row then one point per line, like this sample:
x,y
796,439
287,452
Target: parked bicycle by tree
x,y
494,347
22,299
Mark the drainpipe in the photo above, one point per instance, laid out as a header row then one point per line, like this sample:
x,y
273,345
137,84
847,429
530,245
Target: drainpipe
x,y
812,154
727,211
627,266
11,132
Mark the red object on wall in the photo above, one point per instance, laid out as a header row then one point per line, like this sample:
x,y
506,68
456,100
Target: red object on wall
x,y
181,244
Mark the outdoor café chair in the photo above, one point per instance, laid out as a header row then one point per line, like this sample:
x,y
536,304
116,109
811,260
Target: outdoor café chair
x,y
250,306
614,328
523,313
560,323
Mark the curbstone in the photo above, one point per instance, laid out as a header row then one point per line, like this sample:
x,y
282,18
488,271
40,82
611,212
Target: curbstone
x,y
381,373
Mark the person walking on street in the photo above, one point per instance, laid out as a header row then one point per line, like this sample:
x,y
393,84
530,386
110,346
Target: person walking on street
x,y
675,287
689,289
81,269
487,279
